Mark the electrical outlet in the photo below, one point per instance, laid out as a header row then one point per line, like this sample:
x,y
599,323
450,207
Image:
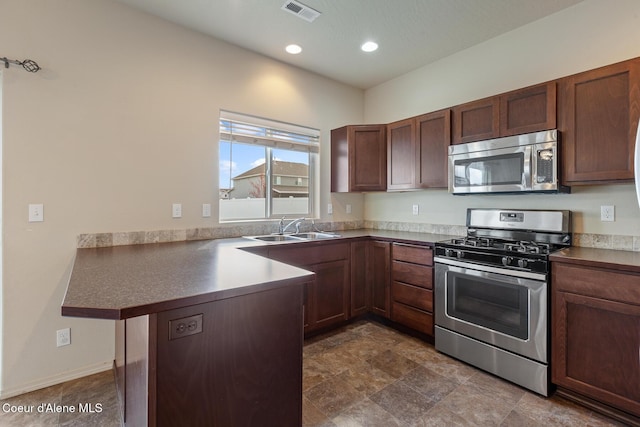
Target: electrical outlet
x,y
330,209
206,210
63,337
176,210
348,207
607,213
36,212
185,326
416,209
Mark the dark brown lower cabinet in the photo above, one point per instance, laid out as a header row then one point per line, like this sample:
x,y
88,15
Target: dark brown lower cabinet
x,y
326,299
596,335
412,287
329,294
243,369
360,289
378,275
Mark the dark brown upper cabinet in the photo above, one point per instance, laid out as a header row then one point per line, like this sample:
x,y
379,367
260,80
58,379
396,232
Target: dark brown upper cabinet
x,y
476,120
417,151
433,137
531,109
358,158
598,118
526,110
401,151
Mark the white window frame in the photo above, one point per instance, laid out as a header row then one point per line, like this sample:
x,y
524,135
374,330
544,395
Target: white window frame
x,y
271,134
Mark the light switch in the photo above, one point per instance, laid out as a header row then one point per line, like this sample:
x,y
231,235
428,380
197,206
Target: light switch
x,y
206,210
36,212
176,210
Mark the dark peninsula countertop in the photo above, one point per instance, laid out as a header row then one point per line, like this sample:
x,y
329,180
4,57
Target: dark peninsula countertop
x,y
120,282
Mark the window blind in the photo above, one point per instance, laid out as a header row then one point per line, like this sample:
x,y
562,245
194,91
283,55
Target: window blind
x,y
244,129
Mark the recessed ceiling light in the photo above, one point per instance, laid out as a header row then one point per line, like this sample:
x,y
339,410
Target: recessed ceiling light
x,y
293,49
369,46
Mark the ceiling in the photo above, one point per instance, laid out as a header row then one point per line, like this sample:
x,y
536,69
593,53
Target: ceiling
x,y
410,33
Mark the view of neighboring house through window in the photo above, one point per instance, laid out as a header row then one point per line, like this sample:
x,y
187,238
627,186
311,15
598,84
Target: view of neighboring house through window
x,y
266,168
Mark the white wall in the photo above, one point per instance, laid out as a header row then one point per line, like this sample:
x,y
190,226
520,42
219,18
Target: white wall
x,y
121,122
588,35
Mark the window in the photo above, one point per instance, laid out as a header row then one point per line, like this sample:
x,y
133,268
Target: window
x,y
267,168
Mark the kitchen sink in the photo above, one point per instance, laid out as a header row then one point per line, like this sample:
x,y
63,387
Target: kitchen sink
x,y
312,235
276,238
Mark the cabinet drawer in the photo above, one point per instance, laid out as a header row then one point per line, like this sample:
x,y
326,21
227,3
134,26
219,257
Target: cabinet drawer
x,y
414,254
412,296
413,318
596,282
301,254
413,274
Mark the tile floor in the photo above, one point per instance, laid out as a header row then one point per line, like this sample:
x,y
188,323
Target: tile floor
x,y
99,390
364,374
369,375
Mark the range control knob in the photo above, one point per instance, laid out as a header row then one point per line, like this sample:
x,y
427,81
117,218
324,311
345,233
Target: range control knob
x,y
460,254
522,263
506,260
448,252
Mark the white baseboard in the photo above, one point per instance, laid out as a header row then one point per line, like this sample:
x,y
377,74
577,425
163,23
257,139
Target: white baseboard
x,y
57,379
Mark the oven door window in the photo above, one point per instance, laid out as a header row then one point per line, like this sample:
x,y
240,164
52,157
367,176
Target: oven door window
x,y
502,307
500,170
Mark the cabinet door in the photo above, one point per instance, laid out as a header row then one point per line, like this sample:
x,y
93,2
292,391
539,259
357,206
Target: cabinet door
x,y
477,120
433,137
531,109
360,292
331,293
595,349
358,158
367,158
379,277
401,149
340,160
599,112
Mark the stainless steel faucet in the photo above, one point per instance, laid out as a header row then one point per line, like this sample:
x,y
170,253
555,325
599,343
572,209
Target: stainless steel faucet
x,y
282,227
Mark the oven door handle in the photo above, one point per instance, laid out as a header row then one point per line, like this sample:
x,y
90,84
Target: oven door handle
x,y
490,269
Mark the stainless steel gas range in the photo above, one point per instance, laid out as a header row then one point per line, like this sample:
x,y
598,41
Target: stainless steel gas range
x,y
492,292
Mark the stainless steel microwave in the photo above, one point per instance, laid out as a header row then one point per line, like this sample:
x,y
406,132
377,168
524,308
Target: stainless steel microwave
x,y
514,164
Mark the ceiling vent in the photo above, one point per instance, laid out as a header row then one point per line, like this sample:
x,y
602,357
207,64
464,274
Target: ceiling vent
x,y
301,10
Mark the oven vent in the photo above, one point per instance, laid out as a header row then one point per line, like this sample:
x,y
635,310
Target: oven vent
x,y
301,10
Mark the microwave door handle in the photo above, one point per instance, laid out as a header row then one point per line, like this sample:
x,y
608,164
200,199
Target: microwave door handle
x,y
529,168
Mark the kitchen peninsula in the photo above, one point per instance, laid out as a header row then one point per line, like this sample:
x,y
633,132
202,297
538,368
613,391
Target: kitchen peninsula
x,y
186,311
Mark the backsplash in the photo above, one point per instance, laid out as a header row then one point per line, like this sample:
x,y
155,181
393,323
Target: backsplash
x,y
416,227
101,240
97,240
607,241
586,240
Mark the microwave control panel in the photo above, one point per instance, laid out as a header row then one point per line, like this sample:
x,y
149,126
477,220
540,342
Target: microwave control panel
x,y
545,165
